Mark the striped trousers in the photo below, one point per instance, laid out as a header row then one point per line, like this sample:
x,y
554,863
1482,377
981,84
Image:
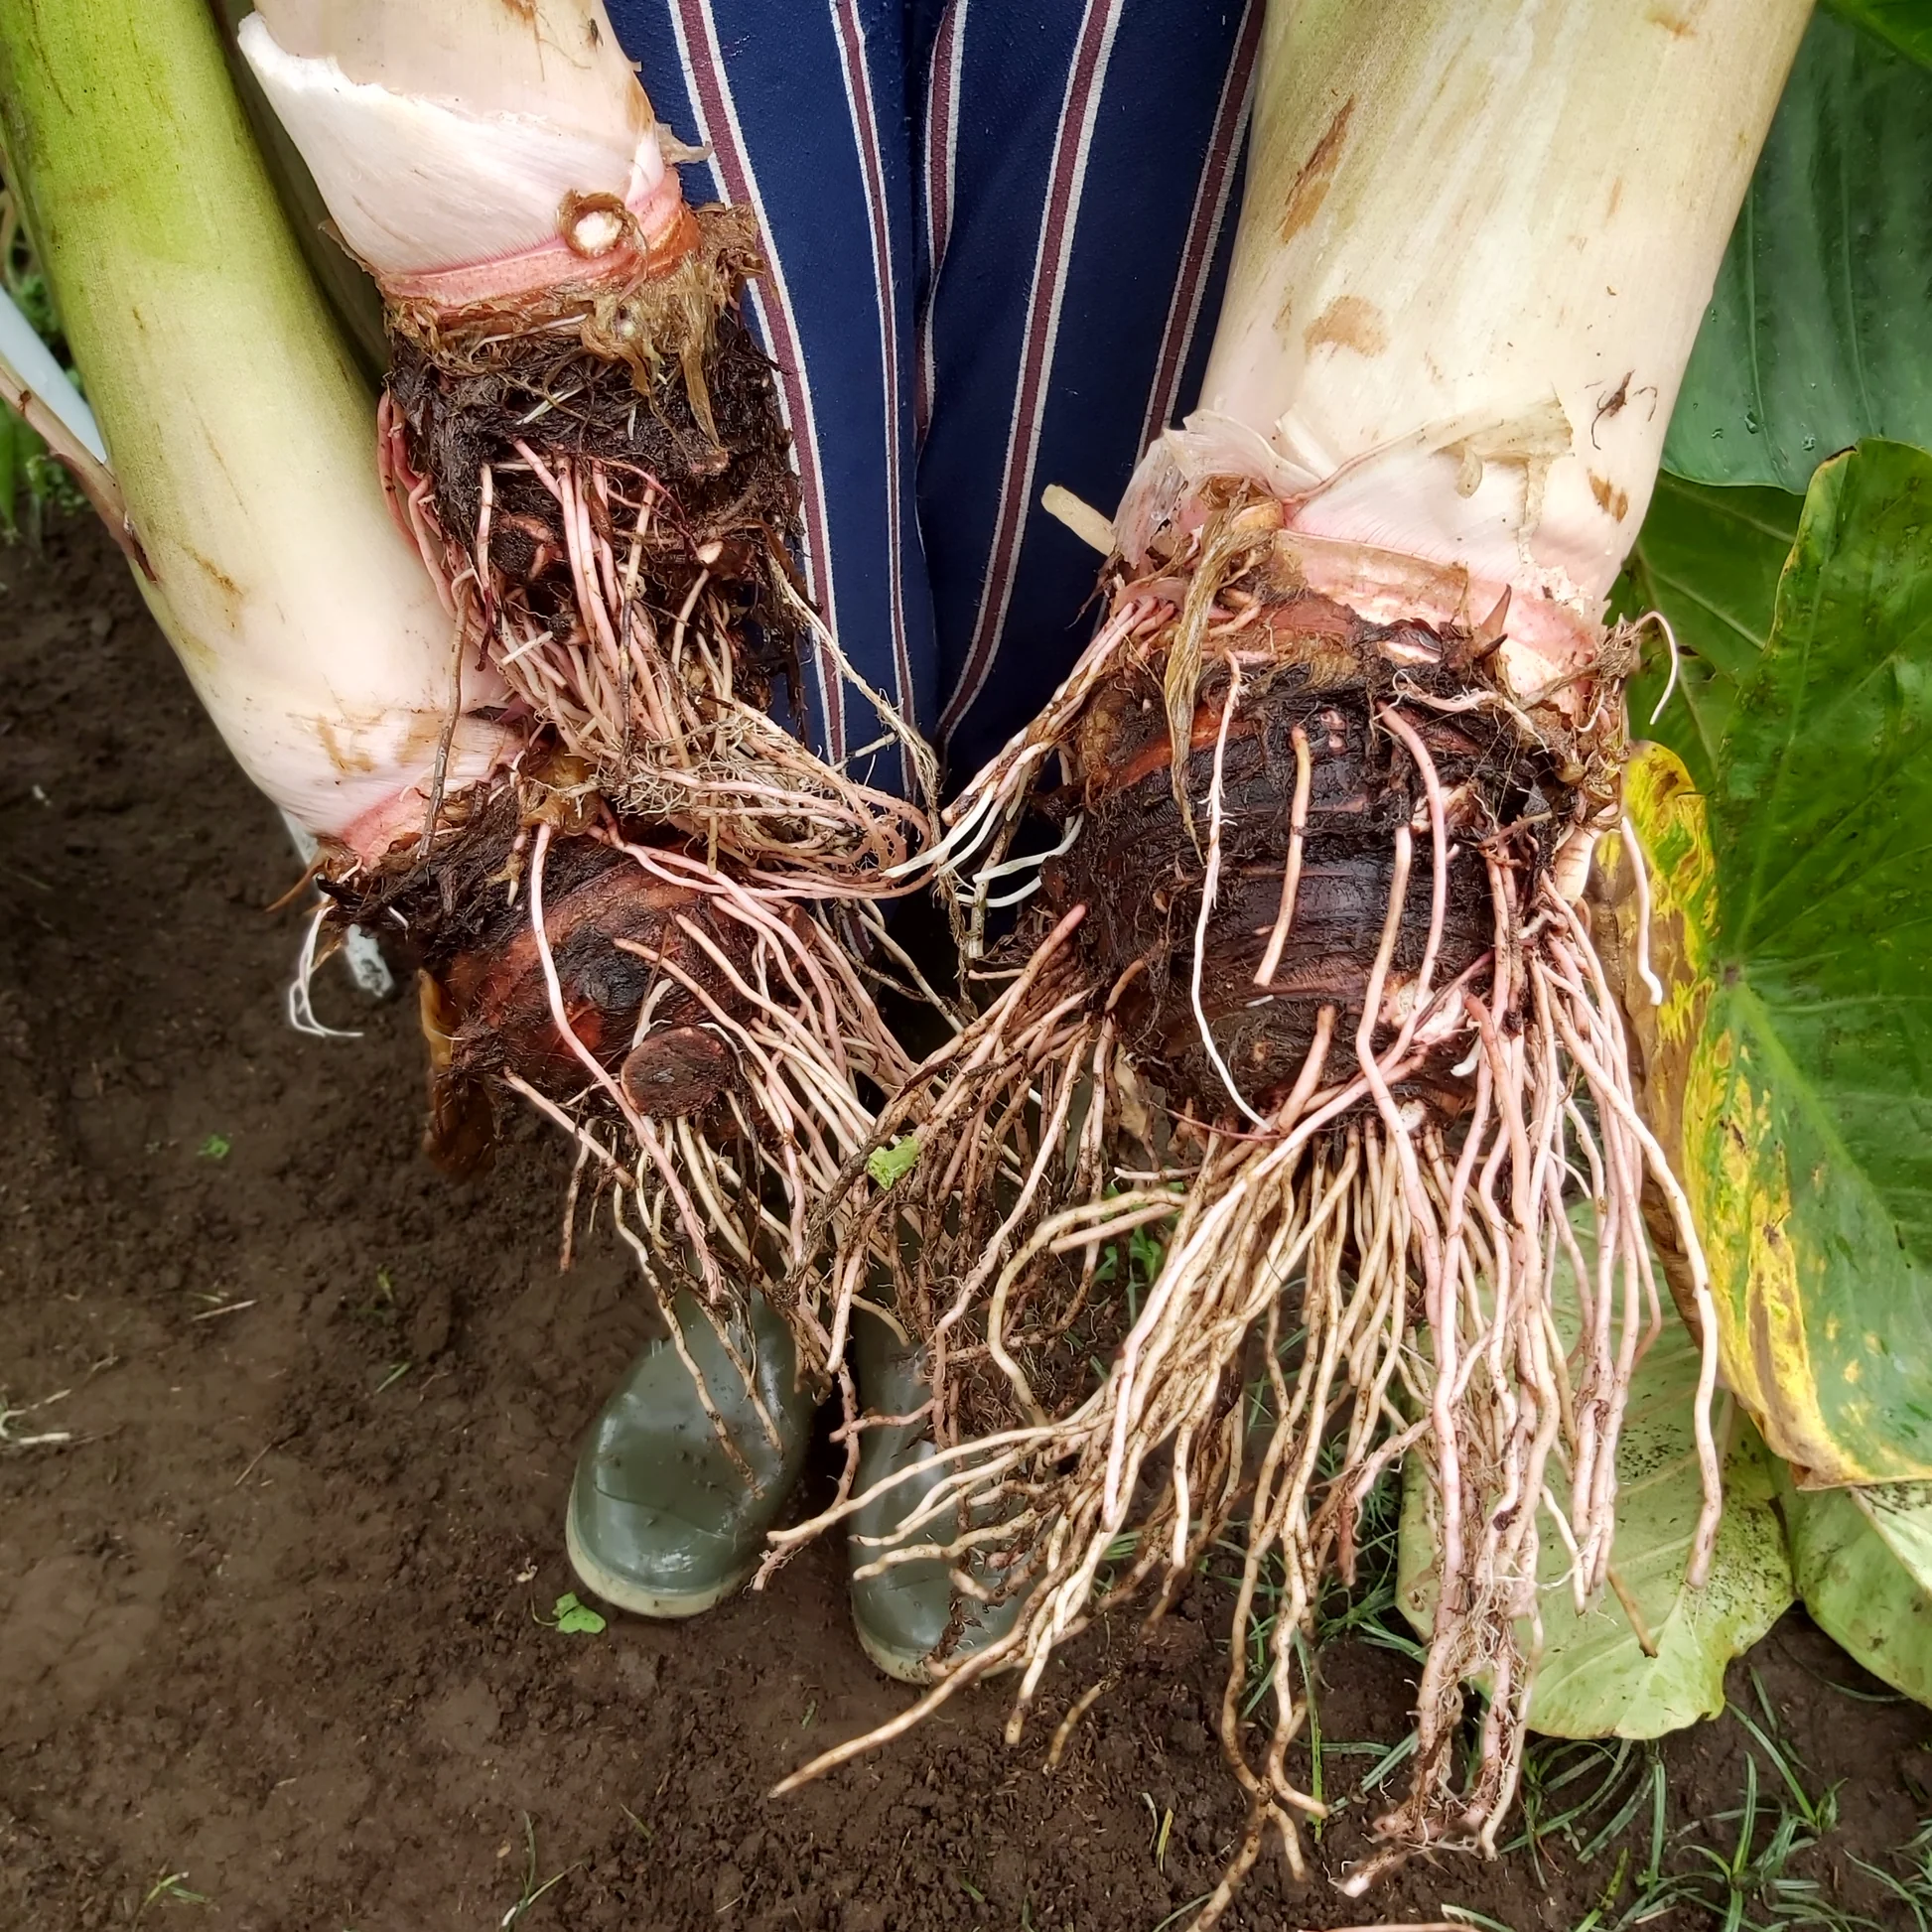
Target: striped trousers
x,y
997,233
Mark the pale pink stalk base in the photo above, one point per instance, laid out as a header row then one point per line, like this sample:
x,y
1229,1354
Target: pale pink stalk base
x,y
1549,638
660,223
479,751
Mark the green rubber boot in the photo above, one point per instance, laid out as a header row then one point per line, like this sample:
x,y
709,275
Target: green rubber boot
x,y
903,1613
661,1521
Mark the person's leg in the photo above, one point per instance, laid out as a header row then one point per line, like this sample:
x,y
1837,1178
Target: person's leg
x,y
995,239
1074,162
804,106
1077,158
803,110
990,230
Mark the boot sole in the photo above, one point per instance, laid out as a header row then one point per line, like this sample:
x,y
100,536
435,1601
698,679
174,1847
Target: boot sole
x,y
904,1666
627,1595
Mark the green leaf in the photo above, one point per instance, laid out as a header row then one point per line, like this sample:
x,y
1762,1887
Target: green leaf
x,y
1789,1069
1863,1559
218,1146
886,1165
1708,560
1906,24
1817,333
575,1618
1594,1678
1145,1253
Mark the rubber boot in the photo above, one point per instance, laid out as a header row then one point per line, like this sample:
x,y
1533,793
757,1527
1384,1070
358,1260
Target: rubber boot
x,y
903,1614
663,1522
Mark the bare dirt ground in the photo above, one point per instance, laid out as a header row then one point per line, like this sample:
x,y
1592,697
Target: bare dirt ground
x,y
268,1638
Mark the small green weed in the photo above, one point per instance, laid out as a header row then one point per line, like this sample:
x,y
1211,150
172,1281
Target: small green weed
x,y
380,1309
218,1146
30,476
1913,1887
171,1888
532,1892
1571,1787
1742,1871
30,481
1145,1253
886,1165
1596,1812
573,1617
1469,1915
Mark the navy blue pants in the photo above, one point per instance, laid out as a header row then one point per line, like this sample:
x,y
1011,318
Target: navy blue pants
x,y
997,233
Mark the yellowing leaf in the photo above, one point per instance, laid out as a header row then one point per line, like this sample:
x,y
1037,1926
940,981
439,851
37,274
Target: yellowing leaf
x,y
1789,1070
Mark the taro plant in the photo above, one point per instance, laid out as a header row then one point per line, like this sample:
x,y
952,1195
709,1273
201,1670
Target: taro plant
x,y
1782,809
1763,911
1468,1026
1495,968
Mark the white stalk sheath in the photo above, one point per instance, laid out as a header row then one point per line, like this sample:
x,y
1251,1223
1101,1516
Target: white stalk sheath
x,y
235,423
1476,241
451,135
557,60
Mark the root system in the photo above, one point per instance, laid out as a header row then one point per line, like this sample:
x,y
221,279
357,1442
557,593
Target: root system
x,y
601,484
1297,994
659,926
715,1054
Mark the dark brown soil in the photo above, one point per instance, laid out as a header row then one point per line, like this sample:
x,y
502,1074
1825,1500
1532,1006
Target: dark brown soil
x,y
267,1620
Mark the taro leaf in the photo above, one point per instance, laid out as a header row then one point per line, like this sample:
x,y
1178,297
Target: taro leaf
x,y
1863,1559
1906,24
1594,1678
1789,1070
1817,331
1708,560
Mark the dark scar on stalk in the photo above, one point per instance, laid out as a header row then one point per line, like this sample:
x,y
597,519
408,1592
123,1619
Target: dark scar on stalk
x,y
1613,404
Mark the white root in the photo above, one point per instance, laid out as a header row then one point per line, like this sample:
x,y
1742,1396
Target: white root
x,y
653,705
